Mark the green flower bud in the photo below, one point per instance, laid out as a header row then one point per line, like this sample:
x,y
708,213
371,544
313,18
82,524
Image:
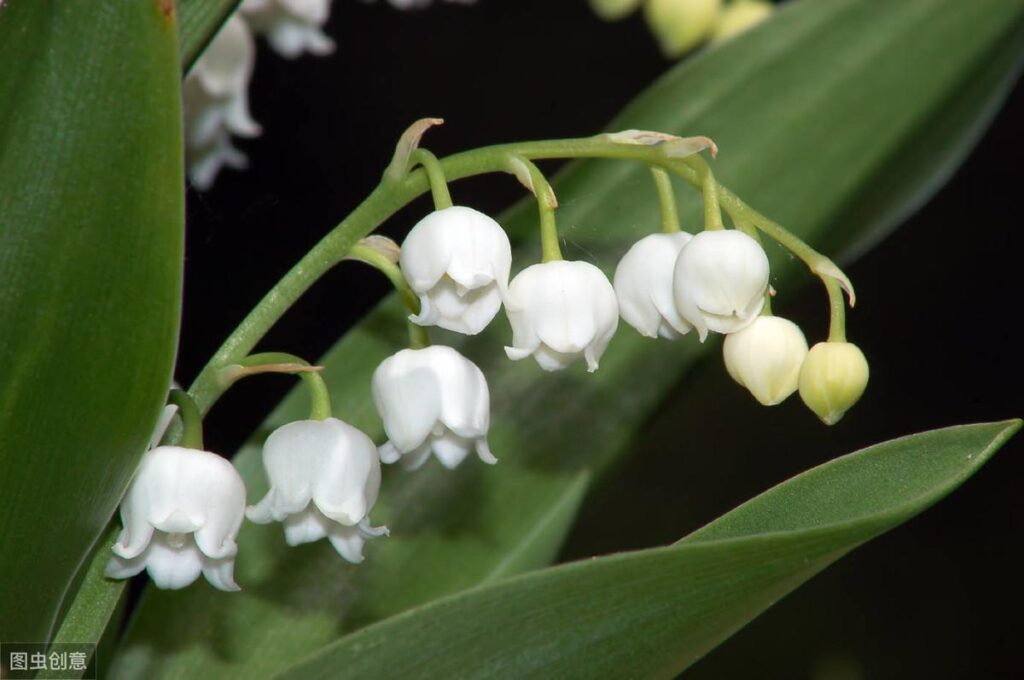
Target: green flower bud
x,y
738,16
681,25
832,378
613,10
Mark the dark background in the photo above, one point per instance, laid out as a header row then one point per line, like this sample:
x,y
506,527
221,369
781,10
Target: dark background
x,y
937,598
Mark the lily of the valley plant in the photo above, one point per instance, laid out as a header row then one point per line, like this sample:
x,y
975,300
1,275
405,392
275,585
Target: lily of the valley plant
x,y
185,505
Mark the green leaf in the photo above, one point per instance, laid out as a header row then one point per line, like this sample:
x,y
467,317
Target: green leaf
x,y
779,103
652,613
91,217
200,20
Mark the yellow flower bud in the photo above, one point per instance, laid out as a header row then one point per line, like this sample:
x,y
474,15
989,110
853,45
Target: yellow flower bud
x,y
681,25
832,378
613,10
738,16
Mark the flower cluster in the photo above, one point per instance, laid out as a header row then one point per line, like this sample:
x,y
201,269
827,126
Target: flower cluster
x,y
185,506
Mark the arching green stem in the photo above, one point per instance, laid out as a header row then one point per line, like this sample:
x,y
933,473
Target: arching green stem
x,y
435,175
709,189
281,362
191,419
418,338
666,200
533,179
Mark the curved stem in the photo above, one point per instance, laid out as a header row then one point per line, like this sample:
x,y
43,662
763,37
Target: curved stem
x,y
837,309
192,421
282,362
709,188
388,268
666,200
536,182
418,338
435,175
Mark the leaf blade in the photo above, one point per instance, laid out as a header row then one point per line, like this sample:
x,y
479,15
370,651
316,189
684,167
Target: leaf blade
x,y
91,223
652,613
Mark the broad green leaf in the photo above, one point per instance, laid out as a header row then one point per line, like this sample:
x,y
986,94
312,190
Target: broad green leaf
x,y
200,20
91,216
778,101
652,613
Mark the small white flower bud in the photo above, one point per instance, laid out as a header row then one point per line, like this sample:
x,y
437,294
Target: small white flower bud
x,y
457,260
180,516
561,311
681,25
643,286
324,477
765,357
432,399
738,16
720,280
832,379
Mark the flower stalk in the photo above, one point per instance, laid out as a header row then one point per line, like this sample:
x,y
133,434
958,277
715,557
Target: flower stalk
x,y
435,176
418,337
281,362
534,180
666,200
192,421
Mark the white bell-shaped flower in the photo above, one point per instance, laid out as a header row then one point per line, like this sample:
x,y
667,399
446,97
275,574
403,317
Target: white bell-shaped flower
x,y
432,399
720,281
292,27
457,260
324,477
765,357
561,311
216,103
181,516
643,285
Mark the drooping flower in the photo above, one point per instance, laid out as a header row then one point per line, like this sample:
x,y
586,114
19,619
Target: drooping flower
x,y
432,399
765,357
833,377
292,27
643,286
215,96
720,280
324,477
561,311
181,515
457,260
